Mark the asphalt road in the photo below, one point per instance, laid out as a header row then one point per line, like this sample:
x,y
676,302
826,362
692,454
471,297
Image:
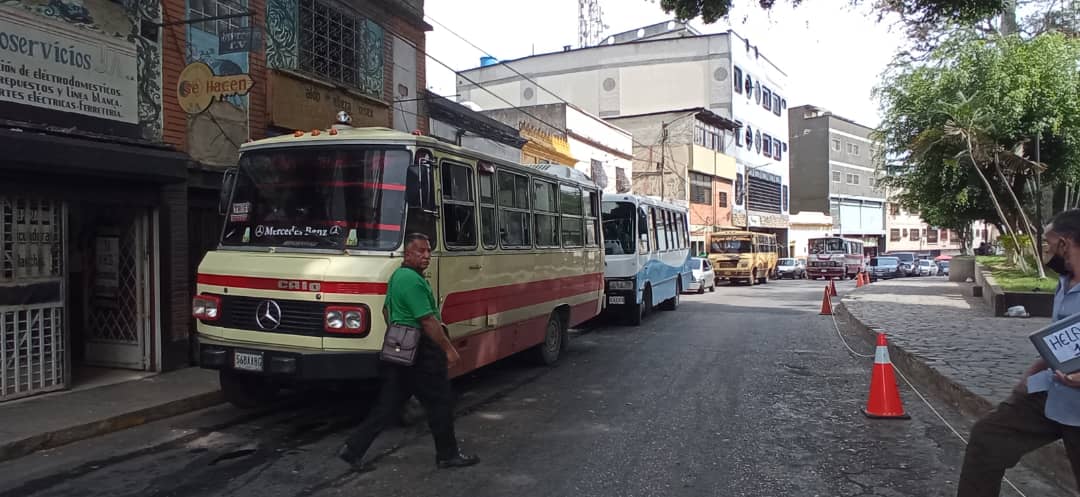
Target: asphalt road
x,y
743,392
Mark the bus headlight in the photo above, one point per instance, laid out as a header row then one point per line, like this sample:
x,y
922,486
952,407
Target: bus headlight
x,y
347,320
334,320
206,307
621,285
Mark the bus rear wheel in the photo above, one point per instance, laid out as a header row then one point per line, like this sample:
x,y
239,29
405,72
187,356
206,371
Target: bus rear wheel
x,y
547,352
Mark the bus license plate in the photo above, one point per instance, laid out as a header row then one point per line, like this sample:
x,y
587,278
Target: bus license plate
x,y
248,361
616,299
824,270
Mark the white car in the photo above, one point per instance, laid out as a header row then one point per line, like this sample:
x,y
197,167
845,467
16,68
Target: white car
x,y
704,276
926,267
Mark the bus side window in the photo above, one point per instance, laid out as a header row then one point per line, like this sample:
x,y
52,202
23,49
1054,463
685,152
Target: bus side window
x,y
488,226
643,232
514,214
418,219
459,207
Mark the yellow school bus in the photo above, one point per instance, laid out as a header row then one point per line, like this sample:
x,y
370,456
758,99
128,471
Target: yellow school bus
x,y
743,256
314,224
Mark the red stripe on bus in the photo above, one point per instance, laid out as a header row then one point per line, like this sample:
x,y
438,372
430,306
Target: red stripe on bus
x,y
376,226
254,283
471,304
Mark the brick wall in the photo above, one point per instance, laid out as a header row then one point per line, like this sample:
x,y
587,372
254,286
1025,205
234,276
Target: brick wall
x,y
173,41
258,98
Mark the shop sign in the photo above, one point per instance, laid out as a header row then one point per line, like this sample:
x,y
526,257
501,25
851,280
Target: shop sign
x,y
300,104
58,67
237,40
198,87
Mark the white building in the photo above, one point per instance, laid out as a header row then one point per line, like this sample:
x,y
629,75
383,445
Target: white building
x,y
602,150
807,225
637,75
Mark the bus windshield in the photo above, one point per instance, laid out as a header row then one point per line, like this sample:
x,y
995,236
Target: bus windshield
x,y
619,228
730,246
827,246
320,198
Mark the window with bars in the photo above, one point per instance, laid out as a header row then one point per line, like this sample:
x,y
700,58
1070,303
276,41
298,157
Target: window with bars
x,y
894,235
723,199
931,236
200,9
700,189
341,47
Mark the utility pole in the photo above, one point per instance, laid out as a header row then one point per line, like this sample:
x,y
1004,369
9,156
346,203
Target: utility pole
x,y
663,156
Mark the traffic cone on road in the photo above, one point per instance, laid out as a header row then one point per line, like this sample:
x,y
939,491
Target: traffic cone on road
x,y
832,287
826,303
884,401
859,281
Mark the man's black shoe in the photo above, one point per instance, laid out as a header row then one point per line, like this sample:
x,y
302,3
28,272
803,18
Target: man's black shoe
x,y
458,461
353,460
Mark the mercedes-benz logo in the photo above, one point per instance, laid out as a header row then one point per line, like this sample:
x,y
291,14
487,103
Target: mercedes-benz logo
x,y
268,315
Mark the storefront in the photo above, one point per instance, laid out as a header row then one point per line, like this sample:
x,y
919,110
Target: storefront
x,y
85,258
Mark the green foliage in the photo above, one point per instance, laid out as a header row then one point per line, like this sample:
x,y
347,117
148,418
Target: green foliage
x,y
1011,279
999,93
927,11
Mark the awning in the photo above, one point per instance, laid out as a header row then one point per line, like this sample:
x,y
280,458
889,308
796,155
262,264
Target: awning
x,y
44,153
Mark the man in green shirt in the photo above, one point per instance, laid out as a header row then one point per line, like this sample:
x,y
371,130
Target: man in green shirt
x,y
410,302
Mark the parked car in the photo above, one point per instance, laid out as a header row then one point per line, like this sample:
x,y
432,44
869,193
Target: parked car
x,y
908,262
881,268
791,268
703,274
943,268
927,267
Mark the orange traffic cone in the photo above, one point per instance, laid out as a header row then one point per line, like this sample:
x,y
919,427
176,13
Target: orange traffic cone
x,y
826,304
859,281
832,287
884,401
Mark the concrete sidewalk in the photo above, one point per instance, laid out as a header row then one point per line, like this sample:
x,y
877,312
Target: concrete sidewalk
x,y
950,344
53,420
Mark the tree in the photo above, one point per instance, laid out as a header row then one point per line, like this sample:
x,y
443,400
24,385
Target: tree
x,y
971,113
927,11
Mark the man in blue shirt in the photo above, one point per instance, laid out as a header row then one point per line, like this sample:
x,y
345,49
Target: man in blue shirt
x,y
1045,406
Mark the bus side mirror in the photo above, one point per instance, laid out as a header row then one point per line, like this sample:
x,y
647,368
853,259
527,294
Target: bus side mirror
x,y
228,182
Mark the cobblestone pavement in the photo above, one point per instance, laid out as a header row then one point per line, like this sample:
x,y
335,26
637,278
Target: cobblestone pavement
x,y
932,320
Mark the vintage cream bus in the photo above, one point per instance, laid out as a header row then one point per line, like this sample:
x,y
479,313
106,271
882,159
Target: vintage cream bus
x,y
743,256
314,224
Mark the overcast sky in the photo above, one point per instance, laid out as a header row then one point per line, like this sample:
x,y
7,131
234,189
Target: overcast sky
x,y
833,54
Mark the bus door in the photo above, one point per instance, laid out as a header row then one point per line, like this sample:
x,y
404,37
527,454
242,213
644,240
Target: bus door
x,y
459,271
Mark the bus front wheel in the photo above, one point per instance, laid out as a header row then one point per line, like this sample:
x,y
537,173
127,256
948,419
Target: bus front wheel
x,y
638,312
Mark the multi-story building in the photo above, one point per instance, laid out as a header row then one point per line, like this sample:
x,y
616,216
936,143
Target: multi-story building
x,y
114,153
685,164
665,68
597,148
834,164
907,232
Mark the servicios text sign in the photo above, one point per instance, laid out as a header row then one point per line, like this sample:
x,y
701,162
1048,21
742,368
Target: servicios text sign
x,y
50,65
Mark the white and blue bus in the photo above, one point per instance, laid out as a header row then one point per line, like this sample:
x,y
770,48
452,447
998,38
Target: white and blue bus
x,y
647,255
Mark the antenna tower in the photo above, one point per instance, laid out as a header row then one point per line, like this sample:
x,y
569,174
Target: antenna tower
x,y
590,23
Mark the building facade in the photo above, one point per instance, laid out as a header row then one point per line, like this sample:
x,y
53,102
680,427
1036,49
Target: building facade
x,y
686,165
834,164
807,225
907,232
641,72
597,148
113,160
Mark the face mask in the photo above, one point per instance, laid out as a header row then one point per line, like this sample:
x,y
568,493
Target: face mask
x,y
1057,264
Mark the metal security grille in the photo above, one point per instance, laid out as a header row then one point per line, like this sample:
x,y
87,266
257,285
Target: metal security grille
x,y
342,47
32,349
118,322
32,343
30,240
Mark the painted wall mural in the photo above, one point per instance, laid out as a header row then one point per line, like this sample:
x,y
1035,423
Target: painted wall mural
x,y
120,23
215,135
282,49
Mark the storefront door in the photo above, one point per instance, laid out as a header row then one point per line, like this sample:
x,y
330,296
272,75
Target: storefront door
x,y
117,319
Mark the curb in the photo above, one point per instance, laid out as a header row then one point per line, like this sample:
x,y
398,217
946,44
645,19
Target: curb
x,y
63,436
1051,461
